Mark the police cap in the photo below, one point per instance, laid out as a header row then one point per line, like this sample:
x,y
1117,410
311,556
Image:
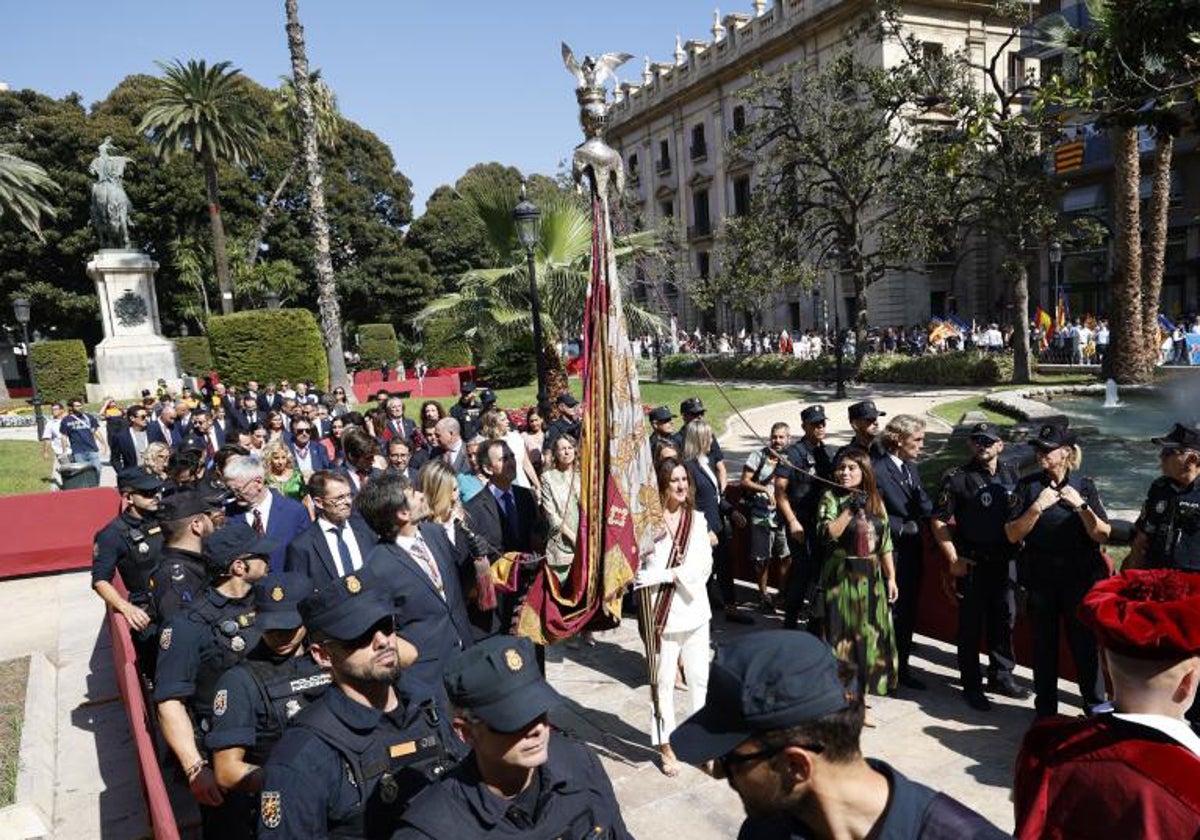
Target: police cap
x,y
187,503
692,406
277,600
236,539
1052,436
661,414
136,478
487,396
865,410
498,681
1180,437
567,399
762,682
346,607
813,414
986,431
467,388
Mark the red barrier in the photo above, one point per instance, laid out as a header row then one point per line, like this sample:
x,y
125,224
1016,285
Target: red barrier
x,y
154,789
431,387
69,520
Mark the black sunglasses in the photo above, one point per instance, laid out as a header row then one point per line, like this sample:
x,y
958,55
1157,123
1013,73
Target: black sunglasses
x,y
733,759
386,626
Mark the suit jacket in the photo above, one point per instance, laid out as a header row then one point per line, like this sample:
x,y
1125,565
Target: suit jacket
x,y
193,438
123,452
903,503
245,419
438,627
270,402
288,519
483,518
461,464
155,434
348,472
317,454
309,552
388,431
708,497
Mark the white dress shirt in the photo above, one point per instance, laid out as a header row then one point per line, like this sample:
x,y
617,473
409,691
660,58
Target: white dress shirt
x,y
331,531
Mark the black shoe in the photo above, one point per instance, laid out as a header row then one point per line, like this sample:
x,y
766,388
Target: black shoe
x,y
766,605
977,700
1009,689
735,617
907,680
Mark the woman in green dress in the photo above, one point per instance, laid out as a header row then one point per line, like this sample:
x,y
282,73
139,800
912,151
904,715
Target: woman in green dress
x,y
282,473
858,575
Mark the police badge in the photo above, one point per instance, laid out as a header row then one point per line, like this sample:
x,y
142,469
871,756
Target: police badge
x,y
220,701
353,585
292,707
237,643
277,594
513,659
271,808
389,791
985,499
164,641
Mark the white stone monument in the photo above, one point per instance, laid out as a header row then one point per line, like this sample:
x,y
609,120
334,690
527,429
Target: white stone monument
x,y
133,355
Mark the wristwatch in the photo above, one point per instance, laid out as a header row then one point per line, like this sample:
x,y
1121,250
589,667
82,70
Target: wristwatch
x,y
1083,507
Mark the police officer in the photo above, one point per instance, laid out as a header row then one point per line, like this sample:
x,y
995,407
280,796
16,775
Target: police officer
x,y
976,496
662,434
864,421
1168,531
567,422
1058,515
523,778
131,544
350,762
797,497
693,409
256,699
466,411
186,518
195,649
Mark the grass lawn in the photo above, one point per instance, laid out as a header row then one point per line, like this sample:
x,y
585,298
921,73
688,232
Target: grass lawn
x,y
22,469
13,675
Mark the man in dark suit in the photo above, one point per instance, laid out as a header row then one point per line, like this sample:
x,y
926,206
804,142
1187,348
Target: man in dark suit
x,y
127,445
908,505
395,424
310,456
249,414
503,513
421,569
337,543
450,446
399,457
163,428
270,399
268,512
204,434
359,449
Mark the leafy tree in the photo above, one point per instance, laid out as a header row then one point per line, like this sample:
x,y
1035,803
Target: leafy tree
x,y
24,187
204,111
452,236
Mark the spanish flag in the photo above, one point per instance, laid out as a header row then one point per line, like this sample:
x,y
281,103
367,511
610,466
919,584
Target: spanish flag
x,y
1043,320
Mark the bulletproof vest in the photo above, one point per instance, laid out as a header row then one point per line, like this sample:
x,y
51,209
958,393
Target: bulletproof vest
x,y
180,579
143,546
580,826
286,688
1175,543
804,493
385,773
229,634
979,519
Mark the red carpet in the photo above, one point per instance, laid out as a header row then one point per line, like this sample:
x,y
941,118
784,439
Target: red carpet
x,y
53,531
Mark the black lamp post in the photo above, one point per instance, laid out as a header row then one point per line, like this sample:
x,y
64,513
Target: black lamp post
x,y
527,218
1056,254
21,312
839,392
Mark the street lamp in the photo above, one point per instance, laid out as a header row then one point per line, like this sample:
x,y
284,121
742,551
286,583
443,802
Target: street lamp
x,y
527,218
21,312
1056,267
839,392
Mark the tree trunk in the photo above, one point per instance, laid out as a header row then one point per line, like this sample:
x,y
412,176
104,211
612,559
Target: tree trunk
x,y
860,320
1129,358
1154,255
1022,369
556,373
327,300
268,213
220,259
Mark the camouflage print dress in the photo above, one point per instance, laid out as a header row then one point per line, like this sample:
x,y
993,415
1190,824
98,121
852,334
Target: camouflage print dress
x,y
858,620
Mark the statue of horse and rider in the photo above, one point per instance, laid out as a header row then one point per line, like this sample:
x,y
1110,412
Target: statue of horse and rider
x,y
110,205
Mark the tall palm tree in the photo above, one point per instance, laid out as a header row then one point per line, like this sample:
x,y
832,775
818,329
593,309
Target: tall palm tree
x,y
24,190
493,303
327,299
204,111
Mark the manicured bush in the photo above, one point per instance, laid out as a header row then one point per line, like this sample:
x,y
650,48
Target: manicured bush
x,y
377,343
61,369
195,354
444,346
968,367
268,344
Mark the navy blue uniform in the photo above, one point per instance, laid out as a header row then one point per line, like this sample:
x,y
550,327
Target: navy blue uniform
x,y
1058,563
570,796
914,812
1170,521
132,546
178,582
979,502
804,459
343,769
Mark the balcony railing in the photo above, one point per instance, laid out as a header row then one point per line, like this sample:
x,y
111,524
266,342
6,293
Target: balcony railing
x,y
663,166
701,230
699,151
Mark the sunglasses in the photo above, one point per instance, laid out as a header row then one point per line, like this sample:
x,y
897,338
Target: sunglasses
x,y
732,759
983,441
386,626
301,431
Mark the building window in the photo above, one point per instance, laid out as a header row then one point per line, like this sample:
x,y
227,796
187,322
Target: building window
x,y
633,166
702,224
739,119
1016,72
664,156
699,147
932,50
703,264
741,195
667,209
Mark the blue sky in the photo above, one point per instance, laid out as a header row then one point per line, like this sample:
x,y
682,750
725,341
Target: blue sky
x,y
446,85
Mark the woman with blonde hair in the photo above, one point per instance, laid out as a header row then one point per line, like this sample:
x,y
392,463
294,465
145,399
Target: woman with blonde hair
x,y
156,458
439,483
282,474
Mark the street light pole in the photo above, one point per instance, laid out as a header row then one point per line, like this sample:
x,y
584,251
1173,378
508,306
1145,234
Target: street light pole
x,y
1056,252
527,218
21,311
839,392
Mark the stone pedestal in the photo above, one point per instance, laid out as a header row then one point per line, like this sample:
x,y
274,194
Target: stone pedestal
x,y
133,355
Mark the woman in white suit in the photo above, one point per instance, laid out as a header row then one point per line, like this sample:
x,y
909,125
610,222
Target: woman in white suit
x,y
679,571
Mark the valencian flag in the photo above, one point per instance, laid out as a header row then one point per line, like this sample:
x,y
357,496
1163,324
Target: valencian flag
x,y
619,509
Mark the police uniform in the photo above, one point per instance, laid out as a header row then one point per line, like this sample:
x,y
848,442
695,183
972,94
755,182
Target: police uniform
x,y
344,769
979,503
568,796
562,425
693,407
1058,563
467,413
182,574
804,459
658,439
1170,517
864,410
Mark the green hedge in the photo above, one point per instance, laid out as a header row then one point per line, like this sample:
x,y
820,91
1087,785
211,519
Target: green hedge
x,y
444,345
377,343
268,344
61,369
195,354
964,368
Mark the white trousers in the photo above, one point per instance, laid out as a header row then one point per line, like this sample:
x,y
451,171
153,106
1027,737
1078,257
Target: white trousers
x,y
690,647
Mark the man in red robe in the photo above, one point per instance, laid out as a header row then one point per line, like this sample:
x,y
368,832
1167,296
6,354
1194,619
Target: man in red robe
x,y
1134,772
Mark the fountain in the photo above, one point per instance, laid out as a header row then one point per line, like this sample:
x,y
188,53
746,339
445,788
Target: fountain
x,y
1111,398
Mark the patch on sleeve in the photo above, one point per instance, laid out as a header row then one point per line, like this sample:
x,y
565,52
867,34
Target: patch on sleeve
x,y
164,641
271,808
220,702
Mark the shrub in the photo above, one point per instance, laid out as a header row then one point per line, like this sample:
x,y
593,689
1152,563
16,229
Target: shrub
x,y
268,344
377,343
967,367
444,346
61,369
195,354
509,364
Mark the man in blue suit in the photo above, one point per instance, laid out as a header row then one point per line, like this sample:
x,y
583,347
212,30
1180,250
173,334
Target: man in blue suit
x,y
908,505
126,446
310,456
163,428
337,543
265,510
421,569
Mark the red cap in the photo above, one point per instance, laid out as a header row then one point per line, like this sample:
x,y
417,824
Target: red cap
x,y
1146,613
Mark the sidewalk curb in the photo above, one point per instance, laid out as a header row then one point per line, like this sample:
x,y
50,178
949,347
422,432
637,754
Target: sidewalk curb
x,y
31,815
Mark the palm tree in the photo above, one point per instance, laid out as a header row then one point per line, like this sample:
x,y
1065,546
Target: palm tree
x,y
204,110
23,192
327,299
493,303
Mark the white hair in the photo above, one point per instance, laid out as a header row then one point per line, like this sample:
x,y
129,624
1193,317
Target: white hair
x,y
243,467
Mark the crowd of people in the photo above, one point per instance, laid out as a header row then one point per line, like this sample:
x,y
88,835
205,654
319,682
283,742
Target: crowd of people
x,y
309,587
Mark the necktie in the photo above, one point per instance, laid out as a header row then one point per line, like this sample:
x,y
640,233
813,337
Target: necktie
x,y
510,518
258,522
344,551
362,478
421,552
